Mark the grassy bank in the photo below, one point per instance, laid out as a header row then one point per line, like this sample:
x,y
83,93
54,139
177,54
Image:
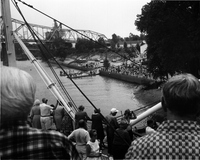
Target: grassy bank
x,y
148,96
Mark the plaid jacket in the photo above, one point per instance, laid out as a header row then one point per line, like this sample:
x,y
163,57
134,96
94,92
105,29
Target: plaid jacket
x,y
24,142
173,140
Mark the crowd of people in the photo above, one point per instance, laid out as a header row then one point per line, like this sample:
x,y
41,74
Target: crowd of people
x,y
131,70
27,130
50,117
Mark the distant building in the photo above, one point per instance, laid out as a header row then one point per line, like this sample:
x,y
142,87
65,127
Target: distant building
x,y
143,48
120,44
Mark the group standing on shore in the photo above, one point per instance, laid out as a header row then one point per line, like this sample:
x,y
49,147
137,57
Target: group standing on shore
x,y
131,70
19,140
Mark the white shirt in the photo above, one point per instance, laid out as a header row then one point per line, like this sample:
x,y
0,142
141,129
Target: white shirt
x,y
81,136
45,110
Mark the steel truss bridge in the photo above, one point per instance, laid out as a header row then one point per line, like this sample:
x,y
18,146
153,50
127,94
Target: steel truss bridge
x,y
46,33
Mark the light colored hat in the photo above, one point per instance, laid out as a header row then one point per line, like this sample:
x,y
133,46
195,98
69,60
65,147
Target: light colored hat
x,y
114,110
37,102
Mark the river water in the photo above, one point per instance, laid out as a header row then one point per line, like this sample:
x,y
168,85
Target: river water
x,y
105,93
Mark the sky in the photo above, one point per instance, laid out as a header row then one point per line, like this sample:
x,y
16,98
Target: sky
x,y
103,16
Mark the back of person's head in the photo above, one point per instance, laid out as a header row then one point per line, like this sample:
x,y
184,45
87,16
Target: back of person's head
x,y
127,113
92,132
181,95
82,124
97,110
44,100
17,94
81,108
123,124
36,102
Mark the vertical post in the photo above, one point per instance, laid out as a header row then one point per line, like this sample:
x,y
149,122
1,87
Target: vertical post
x,y
9,40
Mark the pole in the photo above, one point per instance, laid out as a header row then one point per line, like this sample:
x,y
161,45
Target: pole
x,y
50,84
9,40
146,114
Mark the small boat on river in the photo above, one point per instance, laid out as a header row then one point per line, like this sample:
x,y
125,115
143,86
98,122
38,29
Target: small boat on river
x,y
79,75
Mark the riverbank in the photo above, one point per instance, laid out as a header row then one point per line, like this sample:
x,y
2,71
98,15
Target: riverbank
x,y
128,78
147,96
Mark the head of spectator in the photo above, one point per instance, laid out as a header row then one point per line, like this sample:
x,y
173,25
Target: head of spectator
x,y
36,102
127,113
44,100
93,134
97,110
181,97
113,111
123,124
81,108
17,95
82,124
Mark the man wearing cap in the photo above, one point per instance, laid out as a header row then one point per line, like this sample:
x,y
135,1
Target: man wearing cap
x,y
110,129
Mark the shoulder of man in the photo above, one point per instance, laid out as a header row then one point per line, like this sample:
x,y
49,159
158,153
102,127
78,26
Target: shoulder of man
x,y
139,145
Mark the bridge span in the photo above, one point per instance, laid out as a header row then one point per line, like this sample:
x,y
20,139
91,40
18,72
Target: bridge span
x,y
46,33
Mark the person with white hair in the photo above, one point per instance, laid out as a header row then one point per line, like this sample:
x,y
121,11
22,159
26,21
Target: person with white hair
x,y
177,137
17,139
35,115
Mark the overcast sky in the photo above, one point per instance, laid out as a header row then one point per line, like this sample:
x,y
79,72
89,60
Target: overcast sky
x,y
103,16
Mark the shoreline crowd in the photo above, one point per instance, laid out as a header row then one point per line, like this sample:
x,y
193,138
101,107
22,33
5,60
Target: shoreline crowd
x,y
130,70
175,138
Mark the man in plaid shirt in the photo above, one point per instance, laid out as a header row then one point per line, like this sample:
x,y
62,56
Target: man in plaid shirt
x,y
17,139
178,137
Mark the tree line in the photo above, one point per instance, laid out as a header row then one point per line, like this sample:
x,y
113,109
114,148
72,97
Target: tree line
x,y
60,48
